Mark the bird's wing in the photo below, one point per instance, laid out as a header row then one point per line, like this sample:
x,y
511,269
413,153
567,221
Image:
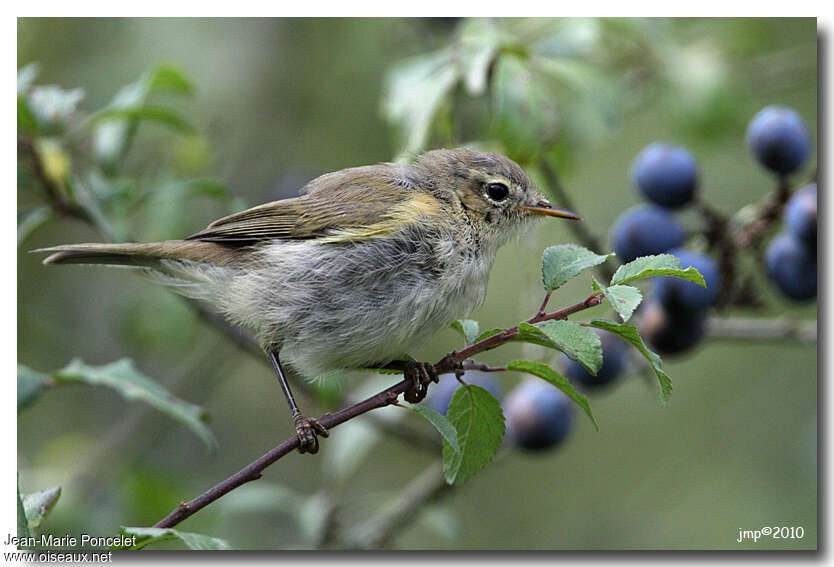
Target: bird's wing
x,y
351,207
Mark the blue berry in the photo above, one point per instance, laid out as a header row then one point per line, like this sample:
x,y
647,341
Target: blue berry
x,y
801,215
666,175
538,415
792,265
669,332
645,230
778,138
614,358
441,393
681,295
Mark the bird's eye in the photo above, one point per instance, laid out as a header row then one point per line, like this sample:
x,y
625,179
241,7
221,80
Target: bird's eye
x,y
497,191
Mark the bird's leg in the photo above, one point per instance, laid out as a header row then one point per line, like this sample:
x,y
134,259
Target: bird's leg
x,y
307,428
420,374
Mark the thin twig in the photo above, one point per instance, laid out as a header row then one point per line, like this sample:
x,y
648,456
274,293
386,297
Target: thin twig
x,y
543,307
474,365
378,530
751,233
758,329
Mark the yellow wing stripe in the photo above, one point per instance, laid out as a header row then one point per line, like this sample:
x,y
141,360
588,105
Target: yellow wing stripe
x,y
419,206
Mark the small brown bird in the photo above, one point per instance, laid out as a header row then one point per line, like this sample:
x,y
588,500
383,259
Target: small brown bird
x,y
366,264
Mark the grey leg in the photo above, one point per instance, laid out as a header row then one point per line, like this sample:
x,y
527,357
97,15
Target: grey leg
x,y
307,428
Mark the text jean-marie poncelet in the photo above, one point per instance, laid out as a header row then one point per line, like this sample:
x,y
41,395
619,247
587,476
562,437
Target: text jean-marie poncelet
x,y
68,541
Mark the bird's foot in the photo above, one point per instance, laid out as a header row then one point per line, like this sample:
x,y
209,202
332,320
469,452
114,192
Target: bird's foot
x,y
420,374
308,429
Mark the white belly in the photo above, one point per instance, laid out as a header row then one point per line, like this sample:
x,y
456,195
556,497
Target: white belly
x,y
328,307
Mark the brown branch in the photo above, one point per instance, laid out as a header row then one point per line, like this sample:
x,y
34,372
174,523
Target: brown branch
x,y
730,240
752,232
454,361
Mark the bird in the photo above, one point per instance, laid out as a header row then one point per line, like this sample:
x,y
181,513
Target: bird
x,y
364,265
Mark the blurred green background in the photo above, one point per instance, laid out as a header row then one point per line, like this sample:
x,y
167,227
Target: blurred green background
x,y
280,101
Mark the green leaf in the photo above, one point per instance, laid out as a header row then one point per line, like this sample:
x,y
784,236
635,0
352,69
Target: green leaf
x,y
262,497
439,421
488,334
148,536
31,221
547,373
389,371
577,342
30,384
22,522
356,439
414,90
631,335
624,299
476,48
659,265
477,417
111,139
156,114
116,125
207,188
169,78
38,505
26,121
565,261
525,108
468,328
123,377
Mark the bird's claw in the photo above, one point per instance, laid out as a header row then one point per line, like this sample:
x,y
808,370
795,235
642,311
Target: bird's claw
x,y
308,429
420,374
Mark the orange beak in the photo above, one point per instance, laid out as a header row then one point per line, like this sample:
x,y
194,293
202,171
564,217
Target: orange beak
x,y
546,209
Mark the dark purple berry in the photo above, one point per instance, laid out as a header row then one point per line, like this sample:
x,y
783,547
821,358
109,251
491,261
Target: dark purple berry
x,y
538,415
792,265
669,332
778,138
682,295
614,359
801,215
645,230
666,175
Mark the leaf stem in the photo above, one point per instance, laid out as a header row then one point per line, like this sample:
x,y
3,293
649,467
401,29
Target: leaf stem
x,y
544,302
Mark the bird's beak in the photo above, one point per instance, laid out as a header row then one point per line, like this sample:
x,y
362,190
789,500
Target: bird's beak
x,y
545,208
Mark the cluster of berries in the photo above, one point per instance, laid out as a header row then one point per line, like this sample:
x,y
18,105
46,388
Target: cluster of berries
x,y
673,319
780,142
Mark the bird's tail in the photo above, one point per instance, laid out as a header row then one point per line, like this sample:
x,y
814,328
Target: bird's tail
x,y
142,255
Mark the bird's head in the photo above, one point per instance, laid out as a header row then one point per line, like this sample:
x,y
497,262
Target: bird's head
x,y
491,189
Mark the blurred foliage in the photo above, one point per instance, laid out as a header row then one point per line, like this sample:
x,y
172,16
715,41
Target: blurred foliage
x,y
123,377
268,104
